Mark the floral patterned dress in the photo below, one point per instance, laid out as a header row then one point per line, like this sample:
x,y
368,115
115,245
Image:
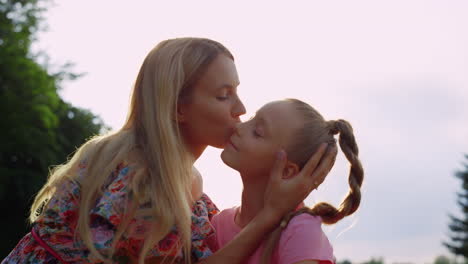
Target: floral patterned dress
x,y
57,223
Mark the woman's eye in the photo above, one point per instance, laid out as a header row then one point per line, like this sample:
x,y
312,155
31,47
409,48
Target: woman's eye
x,y
222,98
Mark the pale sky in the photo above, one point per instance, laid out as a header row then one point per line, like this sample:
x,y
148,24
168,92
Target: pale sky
x,y
397,70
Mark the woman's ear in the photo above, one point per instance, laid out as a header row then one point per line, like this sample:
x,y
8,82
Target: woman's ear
x,y
290,170
181,113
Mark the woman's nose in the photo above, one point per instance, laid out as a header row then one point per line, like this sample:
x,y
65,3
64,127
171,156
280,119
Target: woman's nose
x,y
238,109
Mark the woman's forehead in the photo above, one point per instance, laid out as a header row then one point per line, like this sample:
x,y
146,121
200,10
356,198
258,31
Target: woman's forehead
x,y
220,74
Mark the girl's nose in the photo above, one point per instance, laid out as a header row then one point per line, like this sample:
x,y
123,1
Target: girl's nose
x,y
238,128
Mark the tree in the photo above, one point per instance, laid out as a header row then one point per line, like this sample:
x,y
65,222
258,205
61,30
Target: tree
x,y
459,226
39,129
446,260
442,260
374,261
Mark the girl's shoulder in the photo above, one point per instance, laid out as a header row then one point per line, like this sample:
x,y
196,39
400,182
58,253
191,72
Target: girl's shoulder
x,y
302,220
304,227
303,239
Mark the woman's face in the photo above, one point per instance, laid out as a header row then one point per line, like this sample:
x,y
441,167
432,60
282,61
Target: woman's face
x,y
253,147
213,110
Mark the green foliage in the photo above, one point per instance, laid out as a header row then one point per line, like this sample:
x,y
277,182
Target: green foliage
x,y
458,244
374,261
442,260
446,260
39,129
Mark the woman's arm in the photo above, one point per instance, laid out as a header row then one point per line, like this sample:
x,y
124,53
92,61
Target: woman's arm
x,y
282,196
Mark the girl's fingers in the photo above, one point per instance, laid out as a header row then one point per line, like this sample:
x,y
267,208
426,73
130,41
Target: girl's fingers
x,y
312,163
279,165
324,167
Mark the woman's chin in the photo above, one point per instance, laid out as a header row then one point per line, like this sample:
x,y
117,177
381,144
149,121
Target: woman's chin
x,y
219,145
225,158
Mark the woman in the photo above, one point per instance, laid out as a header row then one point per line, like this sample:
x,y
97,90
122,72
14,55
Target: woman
x,y
127,197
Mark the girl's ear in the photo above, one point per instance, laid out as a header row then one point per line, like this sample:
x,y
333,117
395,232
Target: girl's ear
x,y
290,170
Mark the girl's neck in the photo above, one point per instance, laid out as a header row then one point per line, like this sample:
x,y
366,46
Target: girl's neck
x,y
252,199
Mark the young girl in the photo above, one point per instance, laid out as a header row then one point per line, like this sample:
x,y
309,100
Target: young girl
x,y
128,197
299,129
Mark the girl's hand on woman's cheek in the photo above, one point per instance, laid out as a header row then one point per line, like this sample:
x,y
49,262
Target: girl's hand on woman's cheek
x,y
284,195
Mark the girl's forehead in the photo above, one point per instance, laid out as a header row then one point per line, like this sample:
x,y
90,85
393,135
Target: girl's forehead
x,y
281,117
277,109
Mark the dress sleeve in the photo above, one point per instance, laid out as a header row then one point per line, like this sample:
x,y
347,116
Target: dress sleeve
x,y
57,225
107,212
203,233
303,239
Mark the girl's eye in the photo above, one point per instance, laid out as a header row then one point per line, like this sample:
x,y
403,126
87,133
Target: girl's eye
x,y
222,98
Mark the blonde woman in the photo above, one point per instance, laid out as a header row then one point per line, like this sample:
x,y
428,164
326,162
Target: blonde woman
x,y
133,196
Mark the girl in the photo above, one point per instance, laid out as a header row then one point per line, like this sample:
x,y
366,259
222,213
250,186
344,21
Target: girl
x,y
128,196
299,129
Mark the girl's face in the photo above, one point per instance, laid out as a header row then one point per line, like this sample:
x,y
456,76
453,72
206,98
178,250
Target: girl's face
x,y
253,147
213,110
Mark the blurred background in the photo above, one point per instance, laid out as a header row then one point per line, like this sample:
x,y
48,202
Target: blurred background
x,y
397,70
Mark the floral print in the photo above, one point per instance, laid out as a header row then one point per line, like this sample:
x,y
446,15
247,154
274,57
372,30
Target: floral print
x,y
57,224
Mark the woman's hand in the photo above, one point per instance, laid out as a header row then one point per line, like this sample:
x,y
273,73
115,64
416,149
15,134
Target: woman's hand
x,y
284,195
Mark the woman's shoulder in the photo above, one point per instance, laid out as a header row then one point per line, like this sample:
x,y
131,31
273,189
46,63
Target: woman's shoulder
x,y
203,231
204,206
197,184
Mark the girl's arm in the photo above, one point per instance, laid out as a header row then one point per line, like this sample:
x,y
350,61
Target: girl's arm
x,y
282,196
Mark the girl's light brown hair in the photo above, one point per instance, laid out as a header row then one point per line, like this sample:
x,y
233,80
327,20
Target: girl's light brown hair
x,y
315,131
150,142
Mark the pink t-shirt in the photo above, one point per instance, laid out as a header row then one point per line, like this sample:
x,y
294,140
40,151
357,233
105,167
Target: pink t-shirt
x,y
303,239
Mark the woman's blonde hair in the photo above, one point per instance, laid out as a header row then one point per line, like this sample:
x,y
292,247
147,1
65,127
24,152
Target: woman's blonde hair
x,y
307,140
149,141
